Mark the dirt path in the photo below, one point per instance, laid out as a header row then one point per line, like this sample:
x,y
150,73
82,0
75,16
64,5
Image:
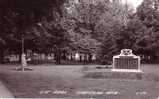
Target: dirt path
x,y
4,92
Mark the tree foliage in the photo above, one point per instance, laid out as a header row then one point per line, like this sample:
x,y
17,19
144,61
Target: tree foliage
x,y
103,27
18,17
148,14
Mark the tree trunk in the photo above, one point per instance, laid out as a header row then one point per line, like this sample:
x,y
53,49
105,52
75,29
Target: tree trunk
x,y
20,57
58,57
90,58
85,59
1,56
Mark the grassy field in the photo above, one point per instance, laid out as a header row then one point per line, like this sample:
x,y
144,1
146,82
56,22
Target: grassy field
x,y
58,81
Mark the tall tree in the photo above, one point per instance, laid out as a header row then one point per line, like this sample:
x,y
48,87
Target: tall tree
x,y
79,21
148,14
17,16
111,29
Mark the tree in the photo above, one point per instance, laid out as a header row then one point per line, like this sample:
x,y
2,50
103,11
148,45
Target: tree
x,y
79,21
148,14
17,16
111,28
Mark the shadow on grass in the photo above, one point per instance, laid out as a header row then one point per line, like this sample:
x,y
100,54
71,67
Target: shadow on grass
x,y
122,75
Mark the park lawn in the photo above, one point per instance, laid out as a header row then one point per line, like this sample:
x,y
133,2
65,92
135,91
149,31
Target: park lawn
x,y
54,81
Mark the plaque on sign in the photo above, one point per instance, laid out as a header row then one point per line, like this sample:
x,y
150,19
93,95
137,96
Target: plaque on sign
x,y
126,62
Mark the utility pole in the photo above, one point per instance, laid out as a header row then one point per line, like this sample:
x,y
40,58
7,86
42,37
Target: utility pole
x,y
23,57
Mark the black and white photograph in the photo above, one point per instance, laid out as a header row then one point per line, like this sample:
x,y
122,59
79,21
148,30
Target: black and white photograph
x,y
79,49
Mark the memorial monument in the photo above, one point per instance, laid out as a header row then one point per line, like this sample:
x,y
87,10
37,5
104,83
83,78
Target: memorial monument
x,y
126,62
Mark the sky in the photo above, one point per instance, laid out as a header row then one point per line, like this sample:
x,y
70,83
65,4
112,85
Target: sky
x,y
135,3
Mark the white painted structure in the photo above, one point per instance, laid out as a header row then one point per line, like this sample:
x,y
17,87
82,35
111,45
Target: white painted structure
x,y
126,62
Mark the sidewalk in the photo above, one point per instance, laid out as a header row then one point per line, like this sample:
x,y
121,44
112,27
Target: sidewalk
x,y
4,92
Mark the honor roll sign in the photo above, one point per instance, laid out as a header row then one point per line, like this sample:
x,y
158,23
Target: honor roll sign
x,y
126,62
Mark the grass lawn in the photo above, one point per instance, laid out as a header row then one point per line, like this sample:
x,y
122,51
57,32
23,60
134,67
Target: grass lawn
x,y
57,81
